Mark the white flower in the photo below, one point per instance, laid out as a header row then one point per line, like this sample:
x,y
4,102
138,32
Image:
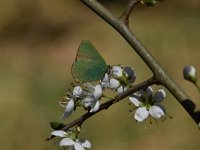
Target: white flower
x,y
148,103
91,102
117,71
77,145
94,94
69,143
69,106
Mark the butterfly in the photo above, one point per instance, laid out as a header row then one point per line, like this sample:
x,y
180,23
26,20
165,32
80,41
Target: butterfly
x,y
89,65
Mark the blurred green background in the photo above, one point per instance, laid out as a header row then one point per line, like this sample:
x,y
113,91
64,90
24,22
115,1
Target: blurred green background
x,y
38,43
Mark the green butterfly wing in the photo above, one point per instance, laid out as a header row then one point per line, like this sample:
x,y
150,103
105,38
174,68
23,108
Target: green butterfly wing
x,y
89,64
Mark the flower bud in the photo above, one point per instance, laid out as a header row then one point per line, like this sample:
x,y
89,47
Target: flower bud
x,y
117,71
190,74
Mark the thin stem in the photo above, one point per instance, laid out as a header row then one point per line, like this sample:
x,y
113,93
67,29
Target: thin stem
x,y
125,16
107,104
161,76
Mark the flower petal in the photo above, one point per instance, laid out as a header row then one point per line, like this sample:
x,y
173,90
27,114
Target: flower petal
x,y
135,101
113,84
106,78
88,101
149,92
130,73
66,142
97,92
141,114
77,91
85,143
78,146
159,96
156,112
121,89
59,133
69,109
117,71
95,107
66,114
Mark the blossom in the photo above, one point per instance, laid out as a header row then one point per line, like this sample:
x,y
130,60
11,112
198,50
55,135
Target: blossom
x,y
70,105
93,103
94,94
70,143
148,103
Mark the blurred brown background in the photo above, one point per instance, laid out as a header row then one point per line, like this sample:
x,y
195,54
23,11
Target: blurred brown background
x,y
38,43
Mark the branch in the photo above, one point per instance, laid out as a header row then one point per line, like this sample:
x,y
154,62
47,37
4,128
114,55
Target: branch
x,y
107,104
125,16
161,76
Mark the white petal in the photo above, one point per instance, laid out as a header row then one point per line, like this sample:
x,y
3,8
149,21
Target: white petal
x,y
156,112
59,133
88,101
78,146
66,114
77,91
135,101
117,71
113,84
66,142
106,78
161,107
141,114
69,109
70,105
159,96
121,89
104,85
95,107
85,143
97,92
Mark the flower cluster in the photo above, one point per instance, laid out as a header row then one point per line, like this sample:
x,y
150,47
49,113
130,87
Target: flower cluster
x,y
88,95
69,140
148,104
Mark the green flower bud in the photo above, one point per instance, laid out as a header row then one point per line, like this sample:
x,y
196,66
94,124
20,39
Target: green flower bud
x,y
56,125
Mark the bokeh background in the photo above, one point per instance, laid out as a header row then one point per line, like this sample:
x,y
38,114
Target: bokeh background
x,y
38,43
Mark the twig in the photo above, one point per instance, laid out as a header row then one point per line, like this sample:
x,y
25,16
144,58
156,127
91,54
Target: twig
x,y
125,16
161,76
107,104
